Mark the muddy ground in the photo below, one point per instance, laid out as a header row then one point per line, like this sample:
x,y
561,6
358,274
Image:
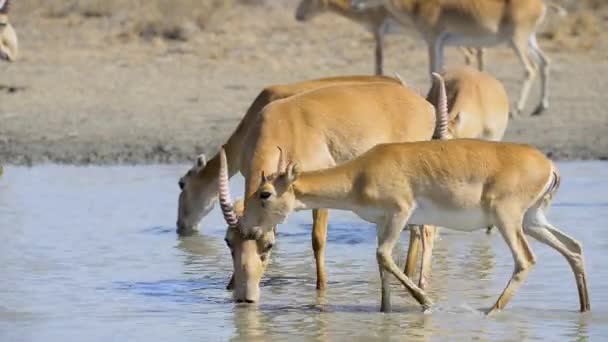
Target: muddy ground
x,y
86,90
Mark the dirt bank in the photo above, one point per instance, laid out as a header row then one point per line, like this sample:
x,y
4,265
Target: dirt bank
x,y
86,90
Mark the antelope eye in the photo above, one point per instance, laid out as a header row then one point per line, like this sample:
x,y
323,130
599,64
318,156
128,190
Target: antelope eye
x,y
268,247
265,195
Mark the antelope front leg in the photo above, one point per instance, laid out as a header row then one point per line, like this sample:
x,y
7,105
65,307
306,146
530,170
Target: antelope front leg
x,y
388,235
319,239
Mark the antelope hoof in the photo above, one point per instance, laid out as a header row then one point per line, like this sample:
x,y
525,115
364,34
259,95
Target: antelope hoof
x,y
489,230
540,109
514,114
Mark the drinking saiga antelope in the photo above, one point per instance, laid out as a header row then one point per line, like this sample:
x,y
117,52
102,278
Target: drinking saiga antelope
x,y
478,108
322,127
376,20
462,184
478,23
199,184
8,37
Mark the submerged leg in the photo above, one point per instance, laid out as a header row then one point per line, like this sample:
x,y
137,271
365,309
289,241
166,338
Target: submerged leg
x,y
412,251
428,242
319,239
388,235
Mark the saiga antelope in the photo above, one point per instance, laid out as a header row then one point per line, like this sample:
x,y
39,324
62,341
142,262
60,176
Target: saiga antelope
x,y
477,23
8,37
463,184
322,127
199,184
478,108
376,20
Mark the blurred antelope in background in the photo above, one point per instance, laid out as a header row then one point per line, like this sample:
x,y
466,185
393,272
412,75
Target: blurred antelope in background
x,y
478,23
376,20
8,37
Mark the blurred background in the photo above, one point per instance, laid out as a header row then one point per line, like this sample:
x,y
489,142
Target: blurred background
x,y
112,81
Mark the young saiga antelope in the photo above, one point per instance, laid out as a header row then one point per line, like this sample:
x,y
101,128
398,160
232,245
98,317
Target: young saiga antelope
x,y
478,23
376,20
461,184
199,184
478,108
8,37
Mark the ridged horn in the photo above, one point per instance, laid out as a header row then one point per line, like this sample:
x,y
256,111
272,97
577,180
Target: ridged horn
x,y
224,192
441,131
282,164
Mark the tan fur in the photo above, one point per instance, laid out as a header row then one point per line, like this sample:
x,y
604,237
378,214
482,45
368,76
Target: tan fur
x,y
322,128
375,19
9,47
477,23
478,104
199,184
450,183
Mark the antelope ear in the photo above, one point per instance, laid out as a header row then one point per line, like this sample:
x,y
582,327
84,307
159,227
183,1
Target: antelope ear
x,y
199,163
239,207
457,118
293,172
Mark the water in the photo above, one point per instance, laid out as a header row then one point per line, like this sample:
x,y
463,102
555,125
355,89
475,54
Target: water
x,y
90,253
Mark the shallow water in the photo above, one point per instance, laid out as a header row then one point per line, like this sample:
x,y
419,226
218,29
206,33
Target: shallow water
x,y
90,253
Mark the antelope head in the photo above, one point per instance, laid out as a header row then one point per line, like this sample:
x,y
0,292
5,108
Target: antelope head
x,y
307,9
8,37
250,252
197,197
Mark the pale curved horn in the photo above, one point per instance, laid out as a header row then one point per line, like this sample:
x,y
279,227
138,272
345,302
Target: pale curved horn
x,y
441,130
282,164
4,6
224,192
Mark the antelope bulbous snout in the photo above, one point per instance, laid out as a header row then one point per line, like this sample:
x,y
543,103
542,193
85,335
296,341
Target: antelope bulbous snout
x,y
249,293
184,229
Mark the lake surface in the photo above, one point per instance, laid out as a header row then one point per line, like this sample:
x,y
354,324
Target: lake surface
x,y
90,253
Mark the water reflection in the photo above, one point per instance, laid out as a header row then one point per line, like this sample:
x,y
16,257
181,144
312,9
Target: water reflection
x,y
92,252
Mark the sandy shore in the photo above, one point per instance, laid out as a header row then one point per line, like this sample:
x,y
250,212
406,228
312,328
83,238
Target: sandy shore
x,y
83,93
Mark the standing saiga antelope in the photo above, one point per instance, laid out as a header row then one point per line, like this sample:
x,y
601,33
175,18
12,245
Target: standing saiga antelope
x,y
375,19
199,184
322,127
8,37
478,108
478,23
462,184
